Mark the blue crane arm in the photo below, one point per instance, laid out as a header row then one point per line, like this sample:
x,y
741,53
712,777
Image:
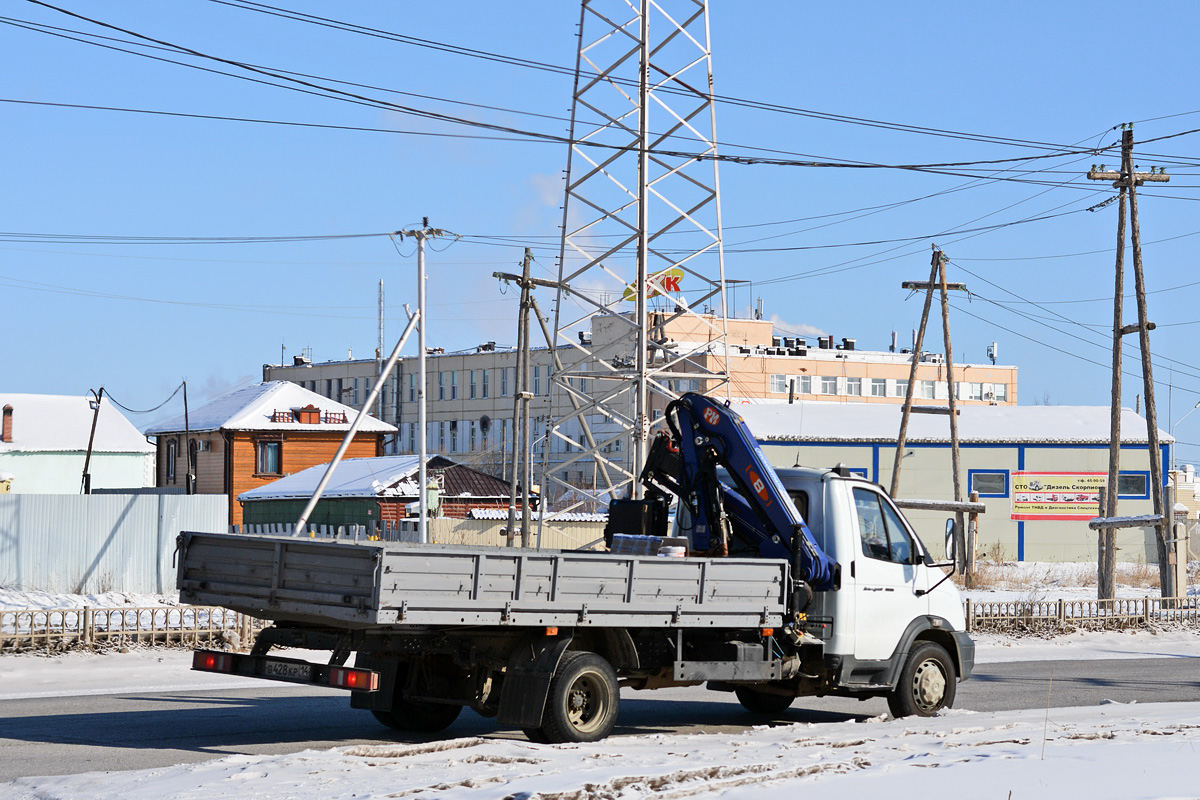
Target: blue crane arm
x,y
757,508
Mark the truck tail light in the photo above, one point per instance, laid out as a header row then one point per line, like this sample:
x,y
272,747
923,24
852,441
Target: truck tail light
x,y
364,680
208,661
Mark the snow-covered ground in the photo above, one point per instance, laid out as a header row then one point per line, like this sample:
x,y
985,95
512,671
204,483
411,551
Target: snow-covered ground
x,y
1107,751
19,598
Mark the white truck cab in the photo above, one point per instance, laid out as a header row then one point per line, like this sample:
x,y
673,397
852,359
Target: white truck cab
x,y
892,598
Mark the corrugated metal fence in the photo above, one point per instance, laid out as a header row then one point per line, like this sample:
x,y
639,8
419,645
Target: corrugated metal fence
x,y
102,542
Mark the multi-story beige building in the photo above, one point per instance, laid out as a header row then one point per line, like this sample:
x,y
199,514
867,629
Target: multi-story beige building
x,y
471,403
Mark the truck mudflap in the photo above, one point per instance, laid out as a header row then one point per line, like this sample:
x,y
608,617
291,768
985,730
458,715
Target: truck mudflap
x,y
527,680
289,670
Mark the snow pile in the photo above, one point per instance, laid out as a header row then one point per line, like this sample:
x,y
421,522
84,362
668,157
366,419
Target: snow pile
x,y
18,598
1110,751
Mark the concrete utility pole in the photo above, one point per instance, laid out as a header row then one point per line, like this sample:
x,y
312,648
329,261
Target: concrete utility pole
x,y
1127,180
421,235
937,280
522,455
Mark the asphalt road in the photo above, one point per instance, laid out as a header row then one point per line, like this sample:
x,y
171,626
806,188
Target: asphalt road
x,y
51,736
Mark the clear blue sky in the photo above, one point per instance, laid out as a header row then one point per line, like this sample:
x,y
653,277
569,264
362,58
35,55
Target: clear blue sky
x,y
137,318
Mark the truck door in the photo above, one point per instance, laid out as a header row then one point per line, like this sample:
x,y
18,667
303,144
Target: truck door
x,y
886,574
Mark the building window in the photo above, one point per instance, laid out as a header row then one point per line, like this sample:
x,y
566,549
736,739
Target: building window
x,y
854,387
441,436
989,483
473,389
828,384
1000,392
412,387
901,389
537,381
270,457
441,386
779,384
471,434
172,455
453,436
454,385
878,387
504,381
1134,485
925,389
329,388
486,374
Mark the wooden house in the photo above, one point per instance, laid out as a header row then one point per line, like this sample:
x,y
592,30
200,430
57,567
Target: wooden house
x,y
253,436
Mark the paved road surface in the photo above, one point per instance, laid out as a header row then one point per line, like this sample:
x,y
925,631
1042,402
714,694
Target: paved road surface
x,y
49,736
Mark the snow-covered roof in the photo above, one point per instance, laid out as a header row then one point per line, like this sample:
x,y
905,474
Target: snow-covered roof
x,y
815,421
62,423
502,514
384,476
252,409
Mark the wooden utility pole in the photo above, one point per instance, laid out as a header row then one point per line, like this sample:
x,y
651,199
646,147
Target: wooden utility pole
x,y
937,280
1127,180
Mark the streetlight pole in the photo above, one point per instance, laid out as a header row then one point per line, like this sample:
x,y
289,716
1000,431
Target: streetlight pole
x,y
1174,457
87,461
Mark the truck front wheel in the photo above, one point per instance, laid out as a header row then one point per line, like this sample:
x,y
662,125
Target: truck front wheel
x,y
583,700
926,684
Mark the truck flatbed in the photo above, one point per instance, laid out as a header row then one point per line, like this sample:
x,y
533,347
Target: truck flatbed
x,y
383,584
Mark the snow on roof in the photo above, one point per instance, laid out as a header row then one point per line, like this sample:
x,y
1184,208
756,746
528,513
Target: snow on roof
x,y
384,476
817,421
572,516
62,423
252,408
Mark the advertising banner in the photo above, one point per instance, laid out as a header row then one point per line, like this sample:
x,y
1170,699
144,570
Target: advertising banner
x,y
1056,495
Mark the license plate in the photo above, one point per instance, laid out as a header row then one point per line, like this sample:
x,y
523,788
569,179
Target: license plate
x,y
287,670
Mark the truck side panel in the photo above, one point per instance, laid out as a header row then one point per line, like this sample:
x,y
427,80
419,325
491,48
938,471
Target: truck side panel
x,y
375,584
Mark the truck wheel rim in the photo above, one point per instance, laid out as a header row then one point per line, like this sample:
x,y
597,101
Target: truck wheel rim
x,y
587,703
929,685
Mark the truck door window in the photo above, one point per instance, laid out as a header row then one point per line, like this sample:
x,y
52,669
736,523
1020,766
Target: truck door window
x,y
883,534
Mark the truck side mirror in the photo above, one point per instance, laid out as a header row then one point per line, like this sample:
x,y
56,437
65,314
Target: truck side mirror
x,y
950,540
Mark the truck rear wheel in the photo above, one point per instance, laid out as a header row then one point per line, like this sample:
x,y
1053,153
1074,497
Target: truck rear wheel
x,y
416,716
927,682
583,700
759,702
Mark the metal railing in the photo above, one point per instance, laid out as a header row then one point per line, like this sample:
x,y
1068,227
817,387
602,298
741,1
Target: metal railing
x,y
55,629
1060,616
87,628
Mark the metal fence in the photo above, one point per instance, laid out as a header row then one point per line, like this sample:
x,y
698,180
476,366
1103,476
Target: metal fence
x,y
1060,616
69,628
86,544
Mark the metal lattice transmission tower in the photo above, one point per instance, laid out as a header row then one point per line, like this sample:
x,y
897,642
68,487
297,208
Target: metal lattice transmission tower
x,y
640,313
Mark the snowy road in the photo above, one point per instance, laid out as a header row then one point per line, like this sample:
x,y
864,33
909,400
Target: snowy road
x,y
41,735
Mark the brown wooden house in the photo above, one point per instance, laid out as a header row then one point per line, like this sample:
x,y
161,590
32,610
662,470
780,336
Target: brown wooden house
x,y
253,436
